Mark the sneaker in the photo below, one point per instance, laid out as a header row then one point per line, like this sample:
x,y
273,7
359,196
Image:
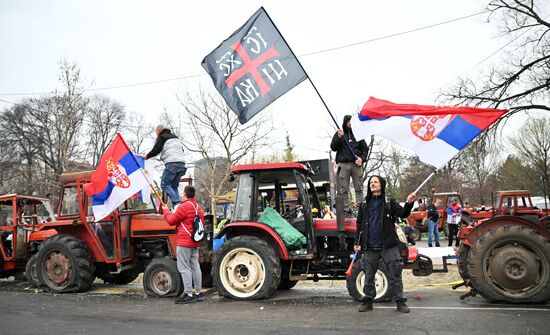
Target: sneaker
x,y
365,307
437,245
430,246
198,297
402,307
185,299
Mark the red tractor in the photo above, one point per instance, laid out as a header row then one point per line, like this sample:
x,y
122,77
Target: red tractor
x,y
254,261
506,258
67,251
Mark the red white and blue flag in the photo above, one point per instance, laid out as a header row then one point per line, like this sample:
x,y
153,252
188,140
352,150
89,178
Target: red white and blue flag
x,y
253,67
117,177
435,133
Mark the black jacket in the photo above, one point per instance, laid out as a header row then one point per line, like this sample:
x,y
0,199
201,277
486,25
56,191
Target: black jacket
x,y
391,211
343,153
164,136
433,214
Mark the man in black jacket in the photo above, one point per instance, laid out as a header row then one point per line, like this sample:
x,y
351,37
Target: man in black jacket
x,y
349,164
376,219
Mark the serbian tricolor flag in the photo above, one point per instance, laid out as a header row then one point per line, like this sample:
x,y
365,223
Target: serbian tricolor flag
x,y
253,67
435,133
117,178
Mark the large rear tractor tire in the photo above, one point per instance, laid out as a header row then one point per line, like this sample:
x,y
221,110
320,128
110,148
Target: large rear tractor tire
x,y
31,273
64,265
462,261
246,268
355,283
122,278
511,264
162,279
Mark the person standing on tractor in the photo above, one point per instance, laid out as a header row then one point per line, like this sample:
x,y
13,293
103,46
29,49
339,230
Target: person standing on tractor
x,y
170,148
376,227
327,214
433,217
187,249
349,164
454,214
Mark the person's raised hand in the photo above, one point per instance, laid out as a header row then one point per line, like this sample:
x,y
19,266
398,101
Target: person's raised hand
x,y
340,133
411,197
357,248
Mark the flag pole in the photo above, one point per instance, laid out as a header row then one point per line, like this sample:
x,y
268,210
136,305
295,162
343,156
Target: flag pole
x,y
425,181
312,84
143,172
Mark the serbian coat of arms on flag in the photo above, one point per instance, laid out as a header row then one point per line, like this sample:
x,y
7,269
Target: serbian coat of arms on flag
x,y
435,133
253,67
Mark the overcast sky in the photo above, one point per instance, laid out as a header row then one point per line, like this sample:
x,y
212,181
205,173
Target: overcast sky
x,y
128,42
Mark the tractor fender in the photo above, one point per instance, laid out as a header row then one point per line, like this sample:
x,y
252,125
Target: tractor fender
x,y
41,235
485,225
255,229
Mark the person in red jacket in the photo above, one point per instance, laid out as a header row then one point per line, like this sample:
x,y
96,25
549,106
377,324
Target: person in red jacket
x,y
187,249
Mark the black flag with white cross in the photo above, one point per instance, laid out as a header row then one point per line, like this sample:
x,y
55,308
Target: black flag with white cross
x,y
253,67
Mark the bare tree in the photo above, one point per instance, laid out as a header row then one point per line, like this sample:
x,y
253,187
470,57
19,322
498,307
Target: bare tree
x,y
522,82
212,131
104,119
480,161
532,145
138,130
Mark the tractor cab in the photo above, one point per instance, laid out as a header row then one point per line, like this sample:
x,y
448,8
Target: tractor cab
x,y
19,216
284,187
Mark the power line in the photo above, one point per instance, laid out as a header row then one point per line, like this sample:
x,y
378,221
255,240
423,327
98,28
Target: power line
x,y
302,55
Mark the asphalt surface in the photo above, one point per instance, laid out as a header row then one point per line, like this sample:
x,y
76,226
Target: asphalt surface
x,y
306,309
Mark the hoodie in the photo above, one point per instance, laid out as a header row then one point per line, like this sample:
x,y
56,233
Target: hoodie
x,y
343,154
388,213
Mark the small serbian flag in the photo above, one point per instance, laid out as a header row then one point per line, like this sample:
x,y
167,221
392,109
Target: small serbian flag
x,y
253,67
115,179
435,133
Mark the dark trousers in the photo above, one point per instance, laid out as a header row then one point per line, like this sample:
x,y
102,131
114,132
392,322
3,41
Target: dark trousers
x,y
394,264
453,234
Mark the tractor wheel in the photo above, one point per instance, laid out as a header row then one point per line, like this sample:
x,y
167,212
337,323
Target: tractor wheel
x,y
355,283
511,264
122,278
246,268
462,261
206,270
64,264
162,279
286,283
446,230
416,234
30,271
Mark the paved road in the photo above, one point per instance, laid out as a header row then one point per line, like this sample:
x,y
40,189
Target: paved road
x,y
307,309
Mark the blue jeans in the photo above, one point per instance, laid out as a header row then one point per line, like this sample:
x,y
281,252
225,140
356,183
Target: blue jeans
x,y
170,180
432,229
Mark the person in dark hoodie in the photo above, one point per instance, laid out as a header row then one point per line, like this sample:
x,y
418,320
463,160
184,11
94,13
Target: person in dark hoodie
x,y
170,148
349,164
376,220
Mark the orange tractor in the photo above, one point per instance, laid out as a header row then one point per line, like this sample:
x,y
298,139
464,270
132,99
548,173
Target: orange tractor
x,y
506,258
66,251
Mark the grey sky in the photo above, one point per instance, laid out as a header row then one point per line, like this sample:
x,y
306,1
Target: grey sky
x,y
127,42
